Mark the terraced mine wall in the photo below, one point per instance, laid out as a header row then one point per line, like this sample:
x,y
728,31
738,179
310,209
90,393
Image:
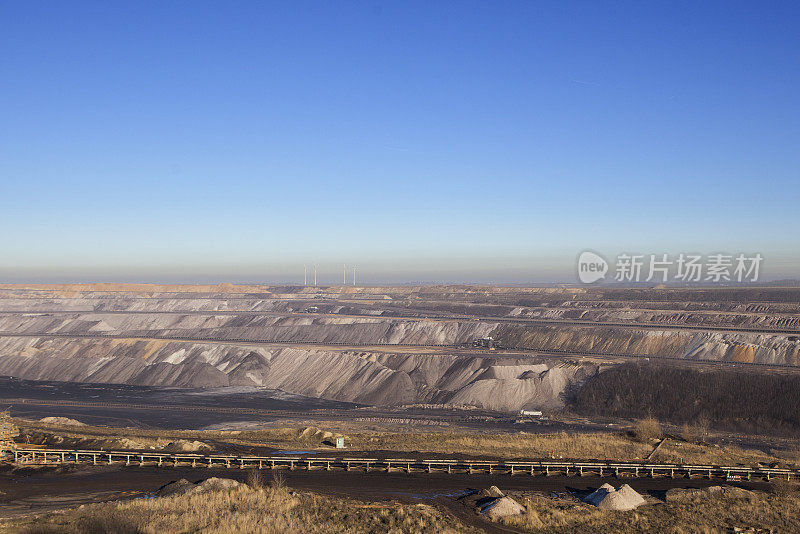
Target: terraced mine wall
x,y
391,379
293,329
734,347
287,337
390,376
776,349
701,314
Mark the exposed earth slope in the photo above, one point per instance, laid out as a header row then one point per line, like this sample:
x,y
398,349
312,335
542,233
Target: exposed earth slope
x,y
382,346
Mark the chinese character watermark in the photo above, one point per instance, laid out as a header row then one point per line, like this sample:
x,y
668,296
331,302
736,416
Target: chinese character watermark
x,y
662,268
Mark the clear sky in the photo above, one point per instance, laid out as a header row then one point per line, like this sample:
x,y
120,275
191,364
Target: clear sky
x,y
424,141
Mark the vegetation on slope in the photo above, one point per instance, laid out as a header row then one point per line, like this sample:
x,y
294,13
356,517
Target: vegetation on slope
x,y
750,401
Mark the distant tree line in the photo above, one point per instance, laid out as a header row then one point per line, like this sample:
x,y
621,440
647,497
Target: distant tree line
x,y
745,401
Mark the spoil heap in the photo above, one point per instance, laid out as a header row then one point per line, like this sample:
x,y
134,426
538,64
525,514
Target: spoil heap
x,y
607,498
64,421
496,505
210,484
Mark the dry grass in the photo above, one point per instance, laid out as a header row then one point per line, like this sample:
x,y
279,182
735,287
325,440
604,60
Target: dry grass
x,y
556,445
255,479
647,430
148,437
683,452
690,432
267,510
780,513
697,431
600,446
274,509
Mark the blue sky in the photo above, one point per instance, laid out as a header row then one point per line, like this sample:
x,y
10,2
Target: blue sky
x,y
424,141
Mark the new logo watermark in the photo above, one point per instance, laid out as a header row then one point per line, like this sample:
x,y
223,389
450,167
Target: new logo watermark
x,y
691,268
591,267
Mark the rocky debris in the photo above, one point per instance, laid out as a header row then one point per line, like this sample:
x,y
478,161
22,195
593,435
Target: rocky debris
x,y
216,484
65,421
120,443
597,495
631,495
493,491
683,494
183,445
127,444
501,507
494,504
180,445
608,498
541,390
210,484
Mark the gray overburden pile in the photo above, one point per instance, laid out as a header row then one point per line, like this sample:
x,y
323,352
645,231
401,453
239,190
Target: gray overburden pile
x,y
607,498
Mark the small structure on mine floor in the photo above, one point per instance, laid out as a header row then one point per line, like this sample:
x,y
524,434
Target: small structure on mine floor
x,y
486,343
340,443
529,416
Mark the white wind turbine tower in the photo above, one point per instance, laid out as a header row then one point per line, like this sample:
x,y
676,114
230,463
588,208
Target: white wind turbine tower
x,y
344,274
354,275
315,275
305,275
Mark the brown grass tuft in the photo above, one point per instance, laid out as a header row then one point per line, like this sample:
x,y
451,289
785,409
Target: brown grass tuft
x,y
270,510
647,430
255,479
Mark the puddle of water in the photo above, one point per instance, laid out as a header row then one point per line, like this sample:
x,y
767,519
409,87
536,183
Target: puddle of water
x,y
294,452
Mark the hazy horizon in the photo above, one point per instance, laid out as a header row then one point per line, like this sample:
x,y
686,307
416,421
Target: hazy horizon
x,y
517,271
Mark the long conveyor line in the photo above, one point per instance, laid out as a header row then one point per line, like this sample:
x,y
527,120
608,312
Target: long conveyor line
x,y
407,465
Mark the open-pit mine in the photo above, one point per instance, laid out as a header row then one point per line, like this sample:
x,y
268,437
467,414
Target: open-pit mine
x,y
412,394
499,349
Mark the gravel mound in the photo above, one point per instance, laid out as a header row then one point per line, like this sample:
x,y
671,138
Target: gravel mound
x,y
608,498
630,495
493,491
216,484
210,484
61,421
502,507
183,445
127,444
